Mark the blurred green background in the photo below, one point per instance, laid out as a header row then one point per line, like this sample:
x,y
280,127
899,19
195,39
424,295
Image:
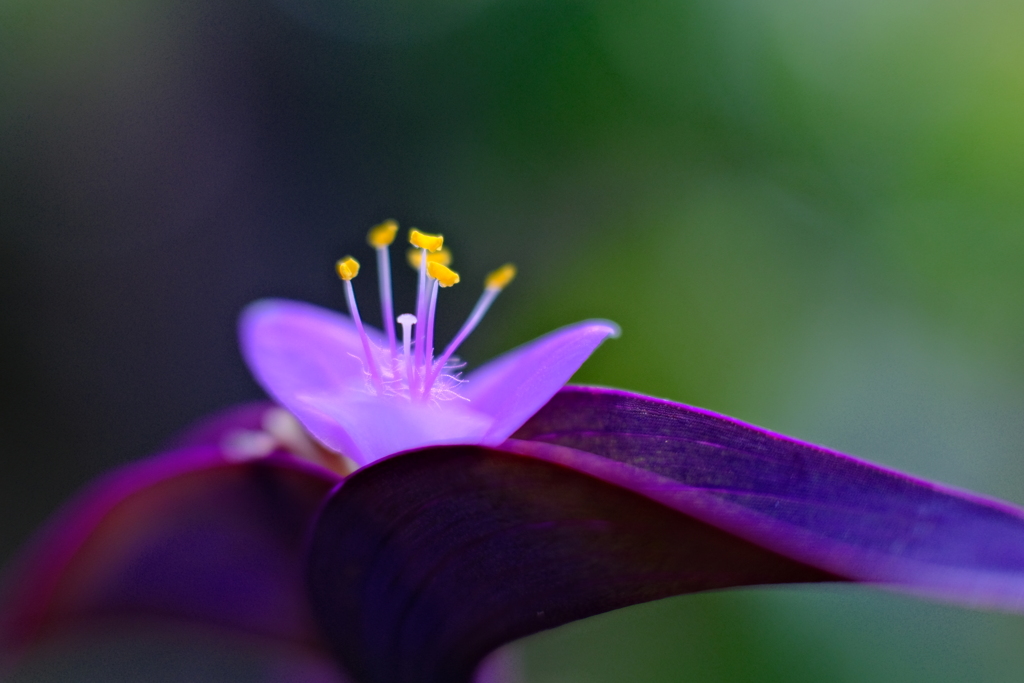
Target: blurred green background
x,y
807,214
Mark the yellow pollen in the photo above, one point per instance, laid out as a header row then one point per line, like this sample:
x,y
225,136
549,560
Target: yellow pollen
x,y
425,241
382,235
444,275
444,257
347,268
500,278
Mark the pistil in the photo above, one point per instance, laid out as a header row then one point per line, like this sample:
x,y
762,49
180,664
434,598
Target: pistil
x,y
407,320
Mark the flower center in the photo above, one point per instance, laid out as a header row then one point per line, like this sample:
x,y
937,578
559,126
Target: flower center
x,y
412,371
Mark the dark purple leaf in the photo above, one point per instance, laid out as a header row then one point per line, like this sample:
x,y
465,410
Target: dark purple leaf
x,y
423,563
826,509
189,537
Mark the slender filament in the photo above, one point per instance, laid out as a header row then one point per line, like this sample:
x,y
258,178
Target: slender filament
x,y
421,318
482,304
429,345
386,301
370,360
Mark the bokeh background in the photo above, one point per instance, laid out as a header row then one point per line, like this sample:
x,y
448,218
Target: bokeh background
x,y
804,213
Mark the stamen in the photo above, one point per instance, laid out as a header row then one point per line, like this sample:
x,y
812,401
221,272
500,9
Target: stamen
x,y
407,320
347,269
495,282
422,240
444,275
443,256
382,235
426,243
380,238
421,318
431,260
500,278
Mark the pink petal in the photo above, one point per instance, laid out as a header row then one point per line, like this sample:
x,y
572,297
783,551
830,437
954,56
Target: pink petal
x,y
310,360
304,356
514,386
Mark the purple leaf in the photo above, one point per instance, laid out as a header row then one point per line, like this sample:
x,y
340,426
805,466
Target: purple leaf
x,y
423,563
191,536
845,515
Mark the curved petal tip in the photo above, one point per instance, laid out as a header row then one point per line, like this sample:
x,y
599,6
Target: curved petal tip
x,y
516,385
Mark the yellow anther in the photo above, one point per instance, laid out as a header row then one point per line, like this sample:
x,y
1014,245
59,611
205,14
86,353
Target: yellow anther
x,y
444,257
500,278
347,268
444,275
382,235
425,241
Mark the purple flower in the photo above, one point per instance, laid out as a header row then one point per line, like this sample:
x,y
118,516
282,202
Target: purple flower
x,y
311,362
362,393
483,508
